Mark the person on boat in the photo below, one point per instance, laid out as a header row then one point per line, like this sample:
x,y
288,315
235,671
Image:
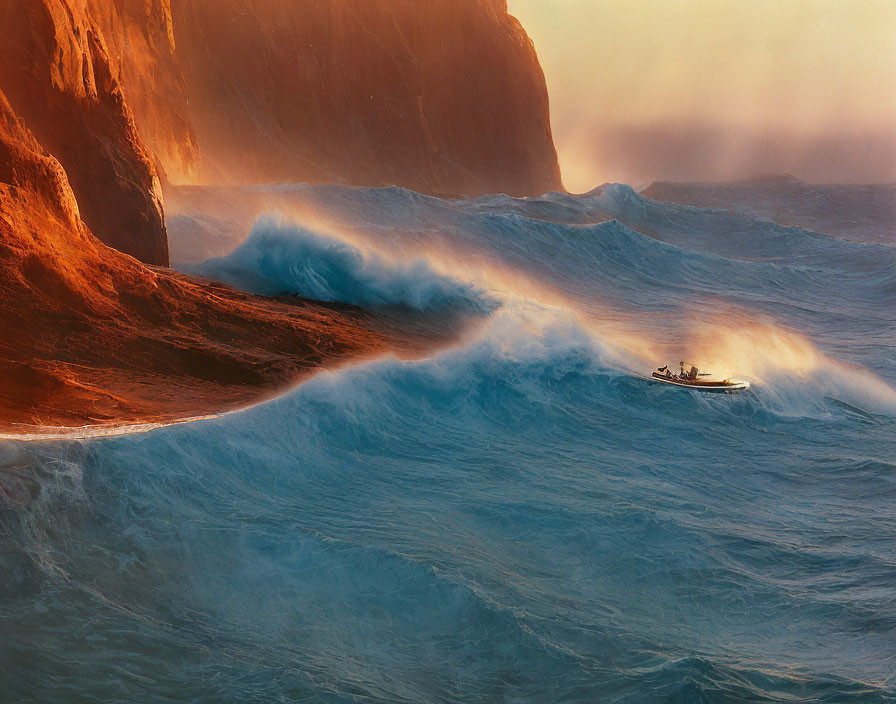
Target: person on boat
x,y
693,373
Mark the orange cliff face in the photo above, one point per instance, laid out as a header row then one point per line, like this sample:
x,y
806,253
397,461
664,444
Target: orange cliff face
x,y
56,74
140,38
375,92
444,98
89,335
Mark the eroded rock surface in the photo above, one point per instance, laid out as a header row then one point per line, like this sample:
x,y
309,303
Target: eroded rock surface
x,y
56,74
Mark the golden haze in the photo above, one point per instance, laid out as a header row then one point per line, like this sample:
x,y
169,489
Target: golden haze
x,y
716,89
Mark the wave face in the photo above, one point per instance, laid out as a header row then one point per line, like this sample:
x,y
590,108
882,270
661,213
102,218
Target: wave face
x,y
521,517
278,260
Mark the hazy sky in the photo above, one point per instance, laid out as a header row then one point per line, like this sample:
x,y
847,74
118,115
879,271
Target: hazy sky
x,y
644,90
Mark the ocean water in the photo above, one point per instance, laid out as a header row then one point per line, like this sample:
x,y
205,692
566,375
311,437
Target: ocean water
x,y
520,517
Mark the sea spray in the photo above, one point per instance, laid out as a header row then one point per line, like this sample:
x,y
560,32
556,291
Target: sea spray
x,y
516,505
520,517
281,259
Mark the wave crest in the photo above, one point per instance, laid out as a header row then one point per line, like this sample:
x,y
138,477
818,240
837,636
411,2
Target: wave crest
x,y
289,259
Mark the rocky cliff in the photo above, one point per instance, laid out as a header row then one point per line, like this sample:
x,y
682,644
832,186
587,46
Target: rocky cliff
x,y
445,96
90,335
363,92
56,74
142,48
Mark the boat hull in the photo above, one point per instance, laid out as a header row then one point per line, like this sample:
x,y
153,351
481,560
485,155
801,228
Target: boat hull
x,y
728,386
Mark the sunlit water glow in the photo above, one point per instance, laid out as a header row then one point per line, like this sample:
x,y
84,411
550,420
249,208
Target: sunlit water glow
x,y
521,517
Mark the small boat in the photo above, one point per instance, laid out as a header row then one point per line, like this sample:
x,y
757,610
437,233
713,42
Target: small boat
x,y
693,379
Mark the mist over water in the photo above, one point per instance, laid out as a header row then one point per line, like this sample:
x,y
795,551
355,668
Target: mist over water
x,y
703,90
521,517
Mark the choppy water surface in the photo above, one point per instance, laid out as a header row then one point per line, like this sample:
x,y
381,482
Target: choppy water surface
x,y
522,517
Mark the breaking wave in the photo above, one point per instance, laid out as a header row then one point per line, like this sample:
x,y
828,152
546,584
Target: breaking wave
x,y
280,259
521,517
